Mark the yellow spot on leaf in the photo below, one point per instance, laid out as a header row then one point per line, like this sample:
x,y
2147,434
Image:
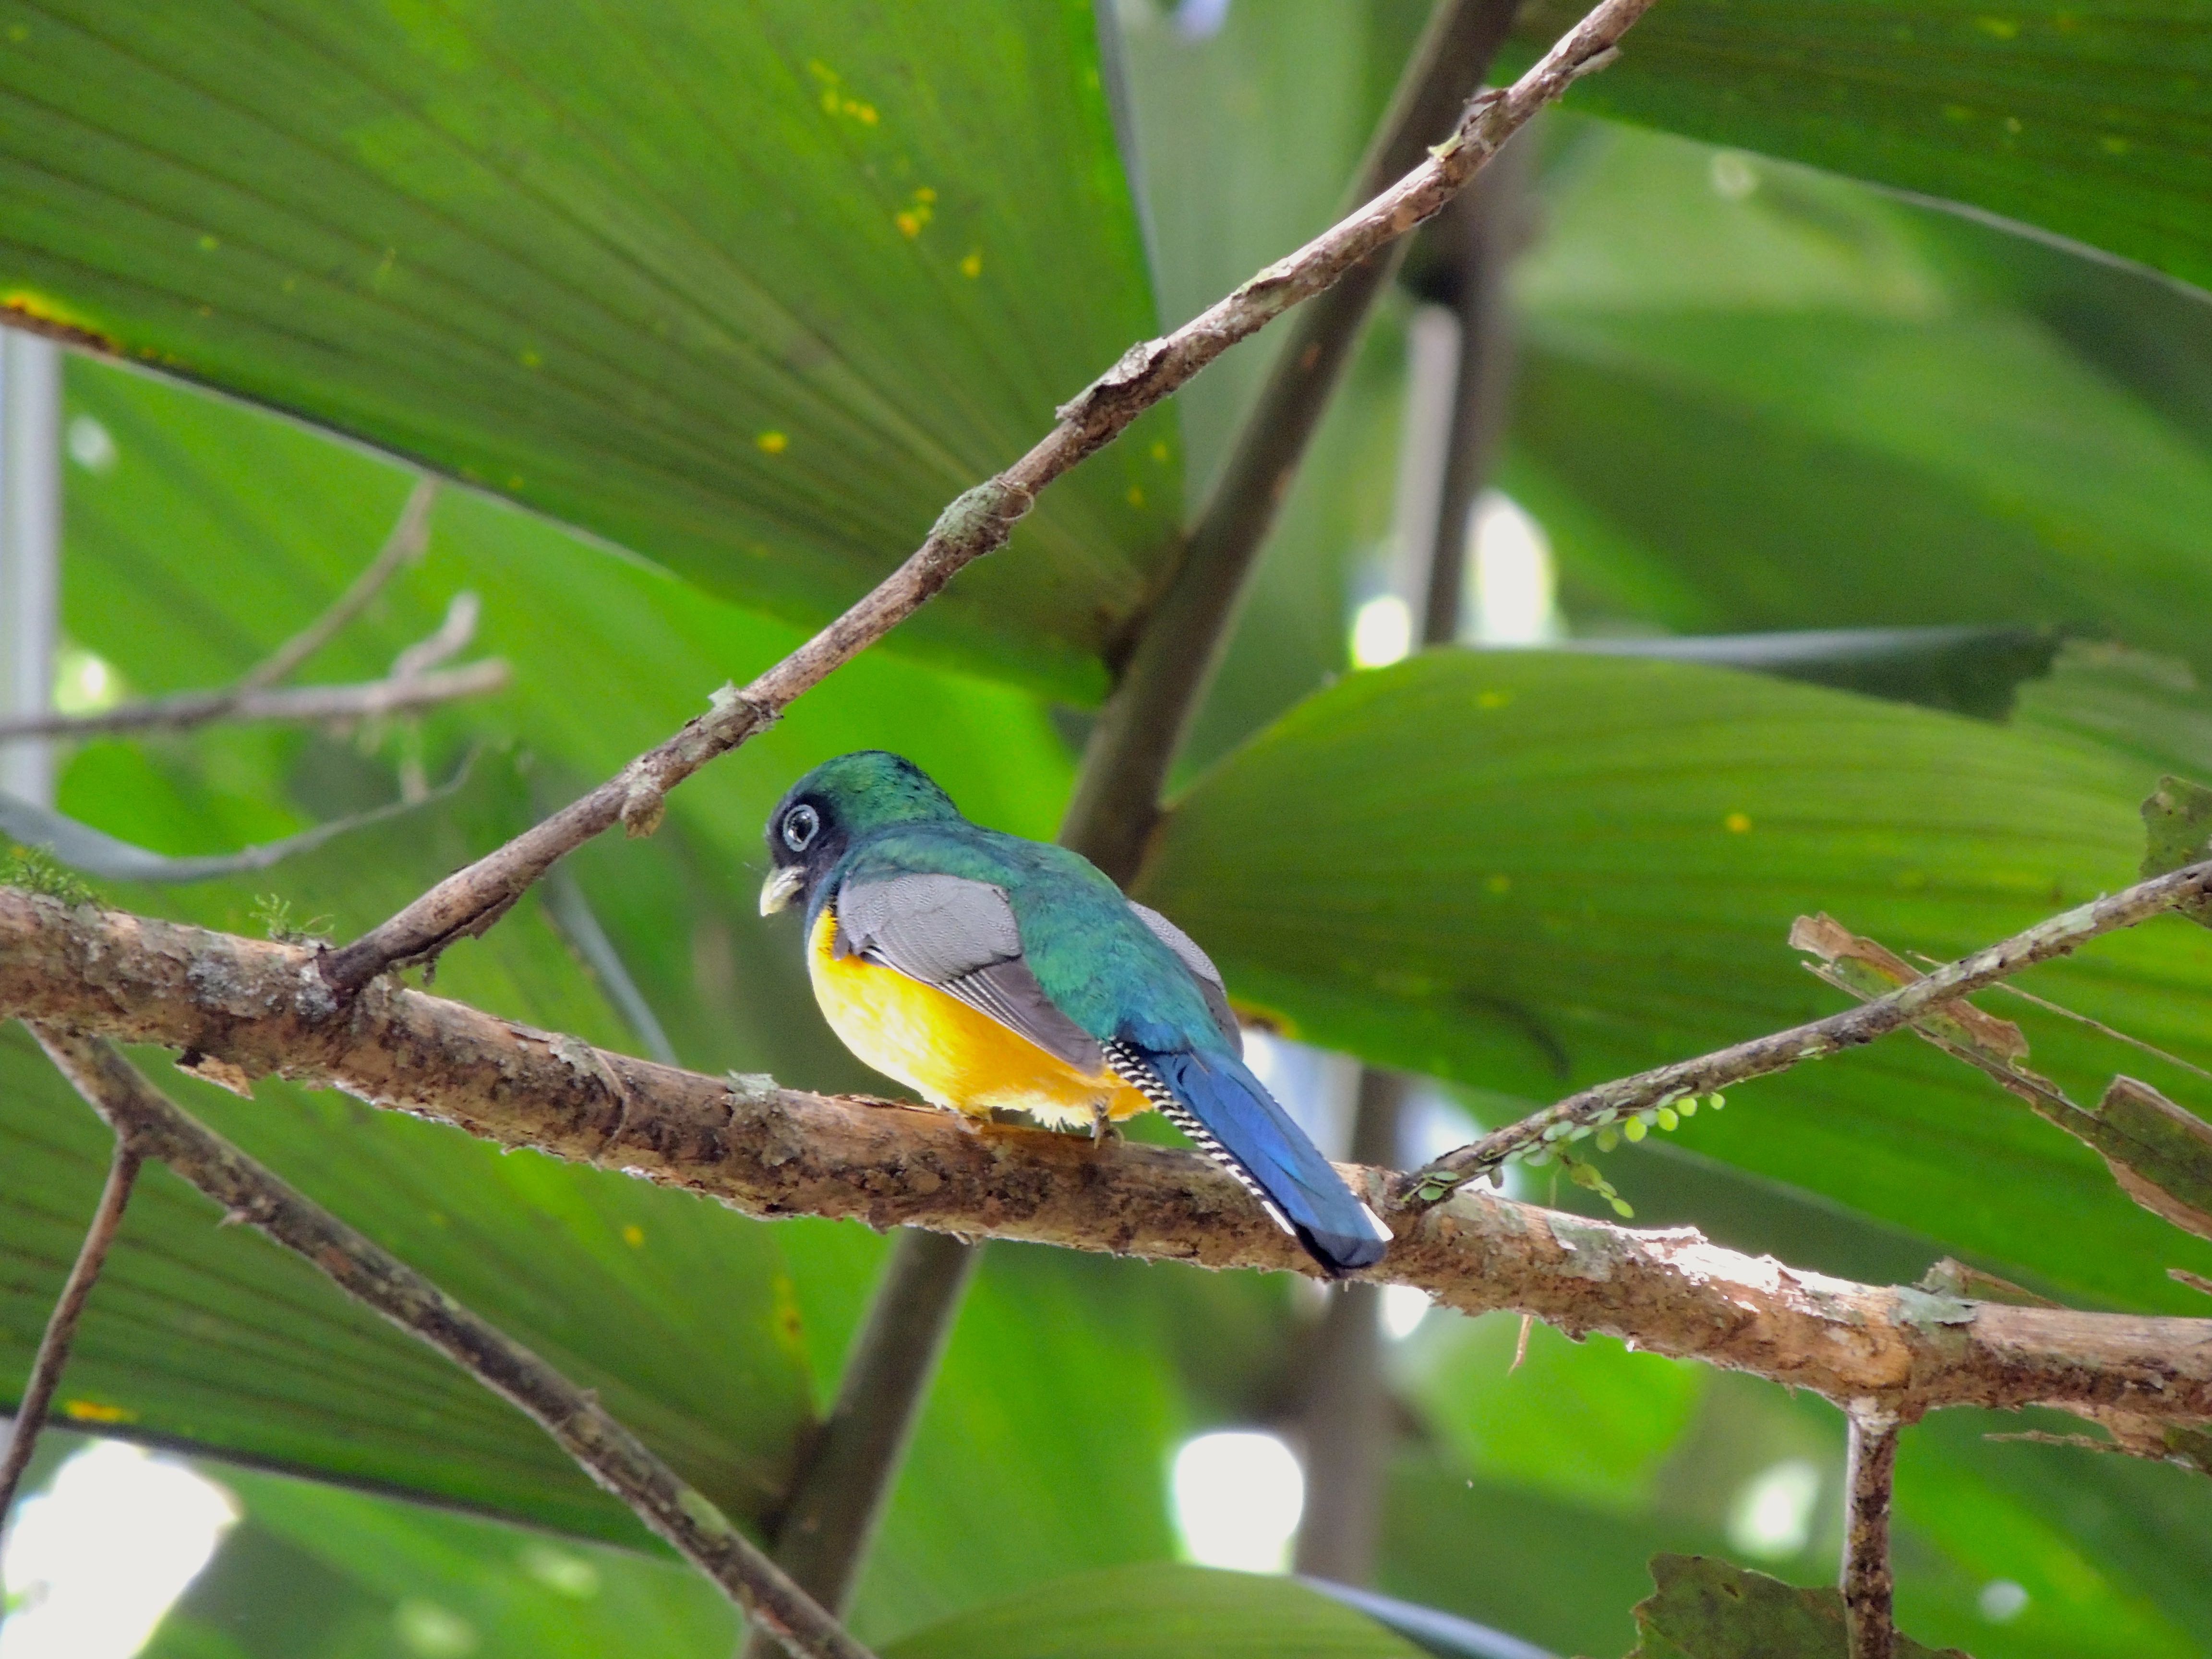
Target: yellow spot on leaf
x,y
973,264
529,358
1998,28
1136,495
1492,699
91,1411
1738,823
772,443
2012,124
829,103
634,1235
909,224
1160,449
2114,146
924,194
208,243
822,72
1500,884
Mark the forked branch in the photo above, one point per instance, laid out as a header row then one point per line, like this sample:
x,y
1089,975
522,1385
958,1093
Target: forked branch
x,y
264,1008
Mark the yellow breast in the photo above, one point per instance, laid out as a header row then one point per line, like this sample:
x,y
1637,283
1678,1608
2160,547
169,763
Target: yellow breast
x,y
949,1053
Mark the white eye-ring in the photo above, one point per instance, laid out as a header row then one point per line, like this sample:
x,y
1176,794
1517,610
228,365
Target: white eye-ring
x,y
800,827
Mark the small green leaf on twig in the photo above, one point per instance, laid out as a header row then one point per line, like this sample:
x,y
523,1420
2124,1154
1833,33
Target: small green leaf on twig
x,y
274,916
2177,832
1712,1610
33,870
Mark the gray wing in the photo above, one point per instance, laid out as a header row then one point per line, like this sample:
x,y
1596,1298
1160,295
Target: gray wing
x,y
1201,969
959,937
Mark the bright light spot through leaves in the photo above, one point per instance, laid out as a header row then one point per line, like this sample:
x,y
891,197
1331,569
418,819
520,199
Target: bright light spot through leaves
x,y
1772,1516
1404,1308
95,1561
1237,1497
1381,632
1514,586
2002,1601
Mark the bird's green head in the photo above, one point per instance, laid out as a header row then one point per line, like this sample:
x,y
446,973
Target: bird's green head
x,y
838,803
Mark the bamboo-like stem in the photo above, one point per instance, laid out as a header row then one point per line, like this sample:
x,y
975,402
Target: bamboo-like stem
x,y
61,1326
155,1127
979,521
1867,1582
839,1496
1143,724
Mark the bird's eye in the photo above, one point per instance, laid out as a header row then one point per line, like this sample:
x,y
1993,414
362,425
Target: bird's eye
x,y
800,827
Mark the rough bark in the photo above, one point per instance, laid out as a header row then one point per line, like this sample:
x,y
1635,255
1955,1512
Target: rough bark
x,y
263,1009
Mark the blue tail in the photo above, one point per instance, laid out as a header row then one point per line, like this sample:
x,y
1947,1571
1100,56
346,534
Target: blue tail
x,y
1230,1113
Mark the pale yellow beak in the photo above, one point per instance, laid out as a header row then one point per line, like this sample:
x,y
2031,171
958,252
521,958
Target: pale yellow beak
x,y
781,888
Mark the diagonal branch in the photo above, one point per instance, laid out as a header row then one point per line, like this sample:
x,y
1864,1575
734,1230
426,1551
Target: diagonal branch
x,y
264,1008
1142,726
1816,1039
61,1327
979,521
155,1127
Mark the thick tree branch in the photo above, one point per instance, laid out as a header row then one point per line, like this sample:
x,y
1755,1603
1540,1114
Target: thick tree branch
x,y
61,1327
1867,1583
2058,936
979,521
264,1008
155,1127
364,700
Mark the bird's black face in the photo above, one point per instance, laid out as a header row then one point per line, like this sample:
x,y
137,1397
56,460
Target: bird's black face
x,y
806,837
840,801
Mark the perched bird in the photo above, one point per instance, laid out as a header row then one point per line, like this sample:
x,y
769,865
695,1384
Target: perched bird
x,y
986,971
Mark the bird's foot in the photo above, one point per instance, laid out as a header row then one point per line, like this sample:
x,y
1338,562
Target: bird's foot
x,y
1104,1130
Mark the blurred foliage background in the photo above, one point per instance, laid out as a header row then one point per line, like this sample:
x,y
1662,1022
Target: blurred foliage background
x,y
706,310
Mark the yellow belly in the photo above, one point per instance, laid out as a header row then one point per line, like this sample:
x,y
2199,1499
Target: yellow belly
x,y
947,1052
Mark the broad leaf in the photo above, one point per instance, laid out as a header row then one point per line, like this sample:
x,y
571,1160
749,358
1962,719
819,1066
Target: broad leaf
x,y
2087,121
1755,398
1159,1612
752,290
1528,872
314,1572
1708,1609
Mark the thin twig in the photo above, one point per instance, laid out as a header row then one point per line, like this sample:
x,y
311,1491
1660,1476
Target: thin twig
x,y
1761,1056
155,1127
1867,1582
411,534
979,521
306,704
261,1007
61,1326
2096,1025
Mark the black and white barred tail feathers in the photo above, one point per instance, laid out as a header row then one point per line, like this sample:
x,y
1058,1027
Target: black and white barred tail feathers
x,y
1215,1100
